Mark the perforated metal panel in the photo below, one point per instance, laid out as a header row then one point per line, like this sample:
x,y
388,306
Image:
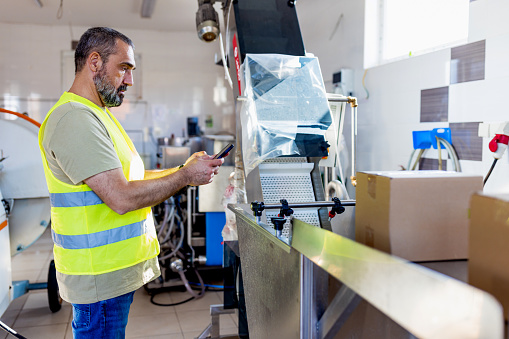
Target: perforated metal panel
x,y
286,180
295,188
285,160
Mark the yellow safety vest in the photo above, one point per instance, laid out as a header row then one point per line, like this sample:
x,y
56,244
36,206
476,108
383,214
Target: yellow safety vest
x,y
89,237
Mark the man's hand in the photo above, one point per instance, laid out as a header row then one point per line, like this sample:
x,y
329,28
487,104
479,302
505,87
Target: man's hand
x,y
200,168
194,156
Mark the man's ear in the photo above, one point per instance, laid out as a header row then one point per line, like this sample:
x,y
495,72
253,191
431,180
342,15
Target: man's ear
x,y
94,62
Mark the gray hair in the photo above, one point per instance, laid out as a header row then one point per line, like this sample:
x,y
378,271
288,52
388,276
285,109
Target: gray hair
x,y
102,40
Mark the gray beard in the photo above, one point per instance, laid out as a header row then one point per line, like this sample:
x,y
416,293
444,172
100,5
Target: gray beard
x,y
108,93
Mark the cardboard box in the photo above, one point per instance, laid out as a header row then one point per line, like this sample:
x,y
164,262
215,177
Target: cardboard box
x,y
488,263
415,215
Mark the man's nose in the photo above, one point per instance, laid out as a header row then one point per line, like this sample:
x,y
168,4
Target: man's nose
x,y
128,78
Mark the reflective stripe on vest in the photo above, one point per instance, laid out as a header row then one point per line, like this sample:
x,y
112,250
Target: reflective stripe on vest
x,y
76,242
74,199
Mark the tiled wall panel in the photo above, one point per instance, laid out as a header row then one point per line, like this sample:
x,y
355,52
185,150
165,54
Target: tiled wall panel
x,y
467,62
435,104
426,164
466,141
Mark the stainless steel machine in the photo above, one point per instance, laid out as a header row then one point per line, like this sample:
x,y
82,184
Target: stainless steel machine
x,y
366,293
301,280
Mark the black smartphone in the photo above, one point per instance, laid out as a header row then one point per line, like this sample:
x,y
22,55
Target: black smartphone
x,y
224,151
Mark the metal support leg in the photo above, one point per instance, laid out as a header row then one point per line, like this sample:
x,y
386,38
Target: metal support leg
x,y
306,298
313,296
212,330
337,313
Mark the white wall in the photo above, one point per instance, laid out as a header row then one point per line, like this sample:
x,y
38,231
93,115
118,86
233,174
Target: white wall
x,y
392,111
178,79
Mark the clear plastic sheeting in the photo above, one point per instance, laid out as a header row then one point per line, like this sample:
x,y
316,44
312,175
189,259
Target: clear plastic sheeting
x,y
235,193
286,112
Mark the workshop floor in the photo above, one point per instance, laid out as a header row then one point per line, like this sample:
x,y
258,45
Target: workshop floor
x,y
30,316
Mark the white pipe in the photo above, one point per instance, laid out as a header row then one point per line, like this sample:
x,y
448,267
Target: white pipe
x,y
223,58
354,139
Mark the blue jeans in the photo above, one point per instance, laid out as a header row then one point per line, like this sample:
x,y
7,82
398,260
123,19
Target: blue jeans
x,y
104,319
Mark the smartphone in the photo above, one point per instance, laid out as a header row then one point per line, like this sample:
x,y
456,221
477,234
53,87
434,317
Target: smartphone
x,y
224,151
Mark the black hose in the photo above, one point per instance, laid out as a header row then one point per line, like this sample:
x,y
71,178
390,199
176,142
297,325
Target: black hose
x,y
162,290
11,331
489,172
174,304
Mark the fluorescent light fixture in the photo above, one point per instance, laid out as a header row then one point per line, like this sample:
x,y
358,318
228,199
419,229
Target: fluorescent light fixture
x,y
147,8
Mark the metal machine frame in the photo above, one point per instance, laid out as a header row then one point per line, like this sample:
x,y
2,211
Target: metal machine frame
x,y
280,279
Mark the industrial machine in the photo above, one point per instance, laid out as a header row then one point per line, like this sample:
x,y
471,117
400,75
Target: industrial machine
x,y
22,180
25,208
303,278
189,224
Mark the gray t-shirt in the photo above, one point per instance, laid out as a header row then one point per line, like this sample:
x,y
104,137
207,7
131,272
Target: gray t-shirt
x,y
77,146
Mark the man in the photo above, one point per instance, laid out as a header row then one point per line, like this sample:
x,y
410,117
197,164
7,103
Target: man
x,y
102,225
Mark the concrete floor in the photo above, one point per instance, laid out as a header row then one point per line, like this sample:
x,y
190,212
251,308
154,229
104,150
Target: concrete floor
x,y
30,316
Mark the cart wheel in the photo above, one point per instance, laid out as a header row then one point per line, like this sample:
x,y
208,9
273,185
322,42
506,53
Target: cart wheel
x,y
54,300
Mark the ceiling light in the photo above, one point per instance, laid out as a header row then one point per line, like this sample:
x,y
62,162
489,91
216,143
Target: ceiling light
x,y
207,21
147,8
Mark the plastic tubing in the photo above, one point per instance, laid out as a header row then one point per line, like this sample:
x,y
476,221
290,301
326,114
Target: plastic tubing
x,y
223,58
337,187
453,154
338,141
11,331
448,147
179,245
172,224
489,172
164,222
439,149
188,286
410,160
21,116
171,220
419,156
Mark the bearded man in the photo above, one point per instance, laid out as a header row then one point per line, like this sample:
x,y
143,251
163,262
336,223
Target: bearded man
x,y
105,245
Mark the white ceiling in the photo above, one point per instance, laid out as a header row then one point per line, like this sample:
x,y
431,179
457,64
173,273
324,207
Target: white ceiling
x,y
169,15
